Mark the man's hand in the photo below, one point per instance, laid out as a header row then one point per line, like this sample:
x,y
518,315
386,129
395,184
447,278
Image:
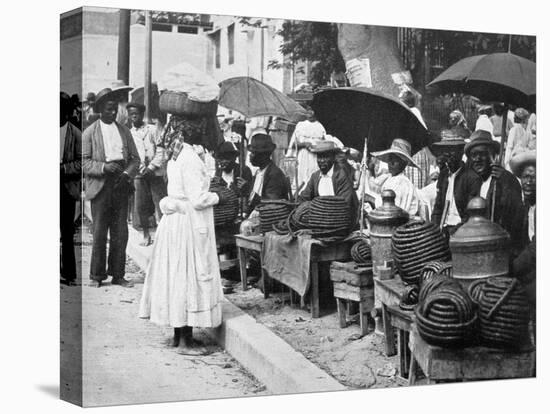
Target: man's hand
x,y
113,168
241,183
123,178
147,172
496,171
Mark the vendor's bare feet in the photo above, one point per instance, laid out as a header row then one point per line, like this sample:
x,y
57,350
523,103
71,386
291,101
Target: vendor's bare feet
x,y
190,346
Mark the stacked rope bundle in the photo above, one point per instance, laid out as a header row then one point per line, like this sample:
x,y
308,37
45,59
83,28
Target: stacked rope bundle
x,y
226,212
329,216
504,312
446,316
272,212
296,220
415,244
433,269
361,253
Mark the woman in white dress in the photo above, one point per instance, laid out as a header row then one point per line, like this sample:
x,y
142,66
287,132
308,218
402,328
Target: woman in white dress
x,y
182,287
306,134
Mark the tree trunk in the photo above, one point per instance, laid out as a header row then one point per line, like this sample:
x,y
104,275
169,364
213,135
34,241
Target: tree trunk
x,y
379,45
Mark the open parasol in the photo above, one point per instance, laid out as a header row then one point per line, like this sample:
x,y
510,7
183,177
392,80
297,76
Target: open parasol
x,y
253,98
498,77
353,114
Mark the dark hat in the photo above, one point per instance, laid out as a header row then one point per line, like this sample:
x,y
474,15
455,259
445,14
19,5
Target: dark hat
x,y
321,147
519,161
90,97
450,140
107,94
481,137
227,150
261,143
137,105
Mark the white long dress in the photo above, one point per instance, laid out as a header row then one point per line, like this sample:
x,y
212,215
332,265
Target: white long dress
x,y
182,286
306,132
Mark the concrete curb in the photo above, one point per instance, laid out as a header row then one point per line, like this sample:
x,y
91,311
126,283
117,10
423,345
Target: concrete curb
x,y
269,358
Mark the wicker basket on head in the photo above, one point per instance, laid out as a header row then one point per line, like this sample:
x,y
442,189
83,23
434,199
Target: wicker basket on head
x,y
179,103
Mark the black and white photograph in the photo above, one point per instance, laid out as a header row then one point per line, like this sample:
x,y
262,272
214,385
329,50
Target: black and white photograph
x,y
256,206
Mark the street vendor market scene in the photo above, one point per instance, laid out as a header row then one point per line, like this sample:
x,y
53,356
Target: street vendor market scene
x,y
378,218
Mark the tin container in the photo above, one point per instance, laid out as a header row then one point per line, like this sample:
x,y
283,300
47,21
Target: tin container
x,y
480,248
383,221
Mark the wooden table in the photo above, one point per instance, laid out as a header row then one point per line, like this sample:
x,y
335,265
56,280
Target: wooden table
x,y
389,293
253,243
339,251
472,363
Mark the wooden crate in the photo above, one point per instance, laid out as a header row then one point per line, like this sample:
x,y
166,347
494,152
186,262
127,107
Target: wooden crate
x,y
351,273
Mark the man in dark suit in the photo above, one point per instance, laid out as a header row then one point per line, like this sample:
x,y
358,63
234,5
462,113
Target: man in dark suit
x,y
70,175
270,183
330,179
455,184
492,179
110,162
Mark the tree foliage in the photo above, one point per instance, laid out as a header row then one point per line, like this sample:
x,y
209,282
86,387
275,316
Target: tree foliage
x,y
316,42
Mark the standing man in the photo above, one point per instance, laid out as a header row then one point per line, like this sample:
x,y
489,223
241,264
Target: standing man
x,y
451,199
150,182
491,180
70,174
110,162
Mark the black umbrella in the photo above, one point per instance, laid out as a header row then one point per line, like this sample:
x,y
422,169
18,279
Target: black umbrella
x,y
500,77
353,114
497,77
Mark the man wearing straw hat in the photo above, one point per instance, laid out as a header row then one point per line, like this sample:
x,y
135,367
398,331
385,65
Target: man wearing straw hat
x,y
451,199
490,178
398,156
110,162
330,179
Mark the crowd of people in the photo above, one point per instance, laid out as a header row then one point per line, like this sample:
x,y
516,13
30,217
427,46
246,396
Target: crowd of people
x,y
163,166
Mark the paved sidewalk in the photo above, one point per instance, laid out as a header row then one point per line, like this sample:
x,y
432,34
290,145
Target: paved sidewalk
x,y
126,360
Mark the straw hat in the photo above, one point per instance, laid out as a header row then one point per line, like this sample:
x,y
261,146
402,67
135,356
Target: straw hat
x,y
324,147
519,161
107,94
399,147
481,137
450,140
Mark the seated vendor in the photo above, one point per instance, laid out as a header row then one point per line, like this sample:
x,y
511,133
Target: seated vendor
x,y
269,183
229,170
398,156
330,179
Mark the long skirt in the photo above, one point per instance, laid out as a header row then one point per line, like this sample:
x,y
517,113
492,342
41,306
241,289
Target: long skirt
x,y
182,285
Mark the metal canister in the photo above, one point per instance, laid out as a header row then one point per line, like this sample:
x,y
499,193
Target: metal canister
x,y
383,221
480,248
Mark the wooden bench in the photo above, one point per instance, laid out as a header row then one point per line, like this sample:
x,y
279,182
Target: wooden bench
x,y
353,282
245,243
389,293
467,364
